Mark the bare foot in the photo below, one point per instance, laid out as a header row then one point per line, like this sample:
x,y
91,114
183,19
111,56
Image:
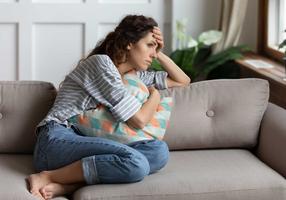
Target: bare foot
x,y
55,189
38,181
39,196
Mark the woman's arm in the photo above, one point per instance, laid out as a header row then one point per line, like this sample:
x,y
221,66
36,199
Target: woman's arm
x,y
176,76
147,111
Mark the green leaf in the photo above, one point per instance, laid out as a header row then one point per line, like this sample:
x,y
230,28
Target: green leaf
x,y
155,65
177,57
188,57
184,58
212,65
282,45
202,55
231,50
197,61
220,58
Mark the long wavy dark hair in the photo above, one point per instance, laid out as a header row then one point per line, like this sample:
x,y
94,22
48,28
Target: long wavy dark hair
x,y
130,30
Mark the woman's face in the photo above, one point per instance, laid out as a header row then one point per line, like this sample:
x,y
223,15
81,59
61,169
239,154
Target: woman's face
x,y
142,53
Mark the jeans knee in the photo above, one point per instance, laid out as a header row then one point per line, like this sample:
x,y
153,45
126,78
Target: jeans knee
x,y
161,155
165,151
140,168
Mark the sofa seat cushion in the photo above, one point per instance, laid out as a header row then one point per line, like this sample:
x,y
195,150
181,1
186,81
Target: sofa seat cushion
x,y
199,175
14,170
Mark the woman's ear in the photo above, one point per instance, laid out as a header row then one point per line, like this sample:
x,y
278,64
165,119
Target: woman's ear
x,y
129,46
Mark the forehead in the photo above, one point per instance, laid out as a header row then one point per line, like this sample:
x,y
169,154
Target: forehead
x,y
149,37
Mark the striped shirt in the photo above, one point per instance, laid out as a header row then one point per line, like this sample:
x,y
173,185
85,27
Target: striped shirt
x,y
96,80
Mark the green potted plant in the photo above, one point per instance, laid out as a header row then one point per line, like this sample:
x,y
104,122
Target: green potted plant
x,y
283,46
195,57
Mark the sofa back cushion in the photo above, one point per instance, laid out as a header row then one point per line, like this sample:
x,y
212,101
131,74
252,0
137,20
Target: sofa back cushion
x,y
23,104
217,114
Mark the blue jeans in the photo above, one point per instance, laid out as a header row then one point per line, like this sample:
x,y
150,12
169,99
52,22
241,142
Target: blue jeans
x,y
103,160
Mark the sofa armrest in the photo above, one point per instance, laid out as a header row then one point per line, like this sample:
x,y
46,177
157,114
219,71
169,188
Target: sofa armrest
x,y
272,141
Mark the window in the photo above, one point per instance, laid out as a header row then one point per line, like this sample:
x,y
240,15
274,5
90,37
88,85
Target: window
x,y
272,27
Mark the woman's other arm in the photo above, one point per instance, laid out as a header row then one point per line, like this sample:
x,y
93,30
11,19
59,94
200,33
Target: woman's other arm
x,y
176,77
147,111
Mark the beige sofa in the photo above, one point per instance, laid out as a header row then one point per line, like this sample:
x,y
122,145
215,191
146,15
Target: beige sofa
x,y
226,142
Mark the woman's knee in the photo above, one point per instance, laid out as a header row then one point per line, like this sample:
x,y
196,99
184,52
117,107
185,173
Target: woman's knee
x,y
159,149
160,155
139,168
156,151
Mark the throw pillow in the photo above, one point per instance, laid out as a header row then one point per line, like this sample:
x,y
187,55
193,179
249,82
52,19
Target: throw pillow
x,y
99,122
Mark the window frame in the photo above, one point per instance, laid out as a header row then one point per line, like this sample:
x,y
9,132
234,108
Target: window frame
x,y
263,47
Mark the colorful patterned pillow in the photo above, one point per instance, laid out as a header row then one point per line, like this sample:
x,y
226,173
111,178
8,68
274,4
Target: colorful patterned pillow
x,y
100,123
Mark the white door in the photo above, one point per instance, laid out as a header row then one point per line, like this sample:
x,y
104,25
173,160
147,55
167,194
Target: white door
x,y
44,39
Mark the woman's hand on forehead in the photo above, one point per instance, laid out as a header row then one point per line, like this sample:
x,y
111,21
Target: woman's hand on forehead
x,y
157,34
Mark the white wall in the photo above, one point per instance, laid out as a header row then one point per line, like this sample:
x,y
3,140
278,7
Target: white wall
x,y
204,15
44,39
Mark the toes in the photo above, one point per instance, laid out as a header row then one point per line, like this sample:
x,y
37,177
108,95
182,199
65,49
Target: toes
x,y
32,187
36,193
49,195
43,192
46,193
39,196
33,191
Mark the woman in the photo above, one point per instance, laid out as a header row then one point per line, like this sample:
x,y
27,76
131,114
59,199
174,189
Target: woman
x,y
65,159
